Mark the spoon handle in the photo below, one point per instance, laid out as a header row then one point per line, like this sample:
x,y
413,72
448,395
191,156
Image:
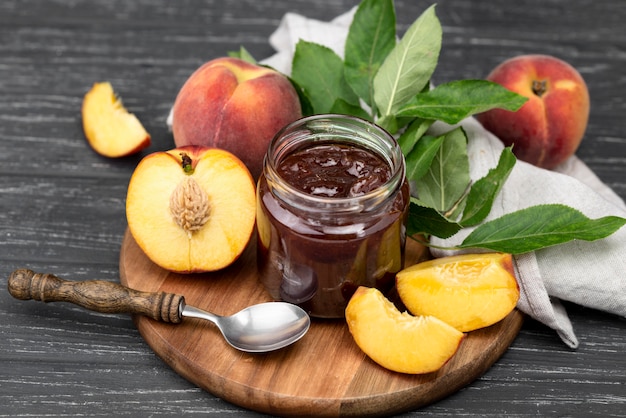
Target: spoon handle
x,y
96,295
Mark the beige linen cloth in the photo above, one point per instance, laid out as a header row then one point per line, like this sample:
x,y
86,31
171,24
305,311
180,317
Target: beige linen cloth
x,y
591,274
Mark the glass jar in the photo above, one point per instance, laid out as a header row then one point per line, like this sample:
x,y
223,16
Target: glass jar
x,y
331,211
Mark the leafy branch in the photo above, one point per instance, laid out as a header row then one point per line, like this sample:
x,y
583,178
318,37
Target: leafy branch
x,y
387,81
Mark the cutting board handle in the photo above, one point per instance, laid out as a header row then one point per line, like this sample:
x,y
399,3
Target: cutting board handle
x,y
96,295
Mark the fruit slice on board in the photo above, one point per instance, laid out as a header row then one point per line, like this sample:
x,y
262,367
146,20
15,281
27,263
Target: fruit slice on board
x,y
109,128
397,340
469,291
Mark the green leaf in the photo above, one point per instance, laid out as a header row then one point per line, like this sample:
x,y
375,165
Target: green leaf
x,y
305,101
538,227
318,71
448,176
484,191
243,54
372,35
419,160
389,123
409,66
454,101
344,108
412,134
392,124
428,221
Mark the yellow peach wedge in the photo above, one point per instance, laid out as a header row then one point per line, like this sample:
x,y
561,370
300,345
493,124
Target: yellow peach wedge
x,y
191,209
109,128
469,291
397,340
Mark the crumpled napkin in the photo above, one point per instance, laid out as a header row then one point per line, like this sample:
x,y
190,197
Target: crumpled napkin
x,y
590,274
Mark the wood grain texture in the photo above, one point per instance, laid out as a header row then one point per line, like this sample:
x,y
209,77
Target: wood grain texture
x,y
323,374
62,205
96,295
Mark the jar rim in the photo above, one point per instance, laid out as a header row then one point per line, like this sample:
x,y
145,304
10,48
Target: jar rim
x,y
377,139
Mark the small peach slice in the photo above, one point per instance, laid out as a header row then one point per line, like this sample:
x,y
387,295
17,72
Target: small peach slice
x,y
469,291
110,129
191,209
399,341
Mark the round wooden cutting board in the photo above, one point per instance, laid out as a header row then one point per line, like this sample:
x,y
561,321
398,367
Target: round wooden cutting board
x,y
323,374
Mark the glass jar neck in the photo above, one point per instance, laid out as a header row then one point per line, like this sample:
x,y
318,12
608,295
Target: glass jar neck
x,y
335,129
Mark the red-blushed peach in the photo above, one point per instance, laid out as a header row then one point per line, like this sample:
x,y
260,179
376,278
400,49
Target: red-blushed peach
x,y
109,128
469,291
549,127
232,104
191,209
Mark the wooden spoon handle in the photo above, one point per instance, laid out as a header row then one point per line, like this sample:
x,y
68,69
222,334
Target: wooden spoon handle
x,y
96,295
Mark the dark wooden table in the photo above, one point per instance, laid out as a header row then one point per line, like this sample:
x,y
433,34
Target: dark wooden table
x,y
62,205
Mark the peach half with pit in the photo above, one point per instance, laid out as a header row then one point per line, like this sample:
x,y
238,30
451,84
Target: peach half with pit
x,y
191,209
468,291
397,340
232,104
108,126
550,126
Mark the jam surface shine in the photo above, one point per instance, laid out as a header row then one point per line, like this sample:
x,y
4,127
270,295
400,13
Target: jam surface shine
x,y
334,170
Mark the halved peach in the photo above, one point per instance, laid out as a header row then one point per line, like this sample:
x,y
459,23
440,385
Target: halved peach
x,y
469,291
399,341
191,209
109,128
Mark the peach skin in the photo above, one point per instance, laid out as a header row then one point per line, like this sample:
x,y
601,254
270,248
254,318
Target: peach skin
x,y
549,127
232,104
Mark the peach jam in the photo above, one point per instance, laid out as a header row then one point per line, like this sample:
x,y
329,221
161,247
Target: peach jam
x,y
332,203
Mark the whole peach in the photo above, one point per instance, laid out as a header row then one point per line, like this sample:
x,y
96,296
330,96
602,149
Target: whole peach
x,y
234,105
549,127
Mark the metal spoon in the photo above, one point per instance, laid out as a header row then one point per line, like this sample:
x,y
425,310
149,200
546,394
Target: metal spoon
x,y
258,328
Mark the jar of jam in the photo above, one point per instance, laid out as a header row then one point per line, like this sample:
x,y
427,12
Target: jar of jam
x,y
332,204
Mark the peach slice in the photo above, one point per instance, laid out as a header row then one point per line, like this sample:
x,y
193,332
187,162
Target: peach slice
x,y
110,129
399,341
469,291
191,209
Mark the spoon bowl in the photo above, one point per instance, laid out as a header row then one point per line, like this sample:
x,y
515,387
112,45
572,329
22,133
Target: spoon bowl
x,y
258,328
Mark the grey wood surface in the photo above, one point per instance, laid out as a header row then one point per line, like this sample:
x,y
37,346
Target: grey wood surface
x,y
62,205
